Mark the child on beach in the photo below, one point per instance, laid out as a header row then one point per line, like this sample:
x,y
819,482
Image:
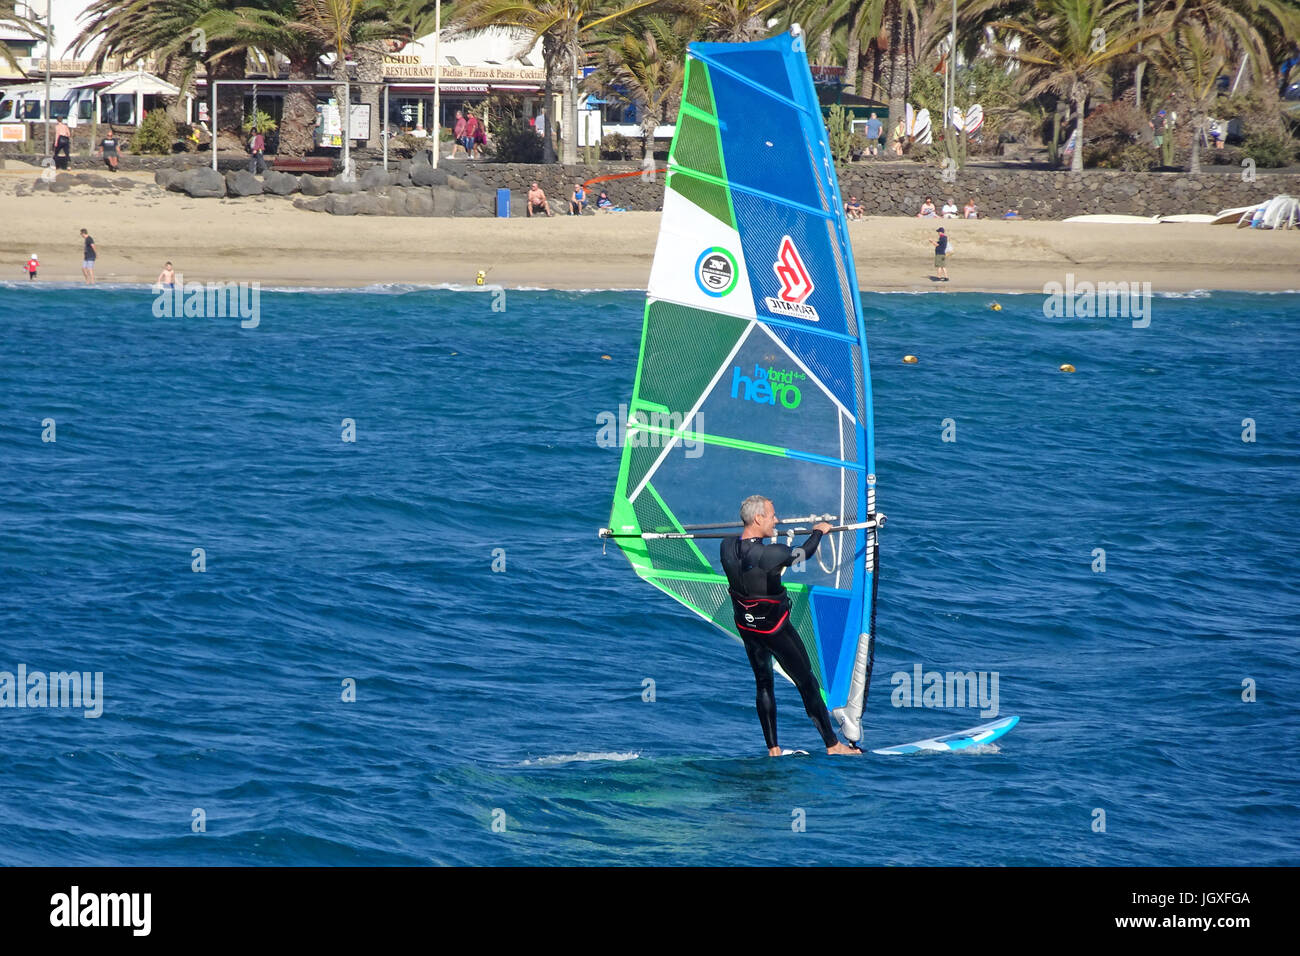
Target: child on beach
x,y
167,278
31,267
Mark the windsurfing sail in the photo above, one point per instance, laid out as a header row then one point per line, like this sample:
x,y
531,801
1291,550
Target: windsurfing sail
x,y
753,375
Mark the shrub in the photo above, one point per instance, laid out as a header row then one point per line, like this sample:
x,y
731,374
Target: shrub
x,y
616,146
1114,133
1270,148
514,141
155,135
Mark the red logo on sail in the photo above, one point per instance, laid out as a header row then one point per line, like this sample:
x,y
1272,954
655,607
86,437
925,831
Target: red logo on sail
x,y
796,283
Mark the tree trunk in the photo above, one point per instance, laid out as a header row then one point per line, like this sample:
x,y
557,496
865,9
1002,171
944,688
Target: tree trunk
x,y
1198,130
370,74
854,53
178,75
569,119
897,99
298,120
230,99
1076,162
551,56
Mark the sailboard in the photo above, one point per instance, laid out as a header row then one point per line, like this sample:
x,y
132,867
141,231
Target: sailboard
x,y
980,736
753,375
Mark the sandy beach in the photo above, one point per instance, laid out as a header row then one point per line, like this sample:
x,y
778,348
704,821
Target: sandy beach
x,y
266,239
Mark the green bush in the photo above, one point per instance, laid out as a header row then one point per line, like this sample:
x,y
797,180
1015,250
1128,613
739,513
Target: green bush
x,y
155,135
1270,148
514,141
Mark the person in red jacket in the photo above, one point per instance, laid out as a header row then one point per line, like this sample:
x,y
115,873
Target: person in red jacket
x,y
32,266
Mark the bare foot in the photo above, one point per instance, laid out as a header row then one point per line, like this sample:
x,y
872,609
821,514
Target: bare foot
x,y
774,751
842,748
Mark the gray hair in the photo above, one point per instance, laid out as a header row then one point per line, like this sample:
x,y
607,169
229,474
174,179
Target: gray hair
x,y
752,507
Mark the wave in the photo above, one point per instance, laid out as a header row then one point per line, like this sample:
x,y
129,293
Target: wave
x,y
581,756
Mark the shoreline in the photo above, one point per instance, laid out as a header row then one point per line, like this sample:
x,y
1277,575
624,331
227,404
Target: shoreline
x,y
268,240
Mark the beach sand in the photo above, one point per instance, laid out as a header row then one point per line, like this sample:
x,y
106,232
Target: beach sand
x,y
266,239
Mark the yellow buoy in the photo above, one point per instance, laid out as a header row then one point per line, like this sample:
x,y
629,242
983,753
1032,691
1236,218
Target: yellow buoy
x,y
909,360
1067,367
996,307
480,278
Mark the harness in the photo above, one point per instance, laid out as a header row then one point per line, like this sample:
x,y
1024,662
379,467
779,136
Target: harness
x,y
758,615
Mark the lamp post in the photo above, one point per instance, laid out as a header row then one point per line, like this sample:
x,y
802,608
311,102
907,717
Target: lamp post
x,y
437,81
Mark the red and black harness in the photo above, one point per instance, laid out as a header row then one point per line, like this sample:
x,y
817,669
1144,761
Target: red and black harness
x,y
758,615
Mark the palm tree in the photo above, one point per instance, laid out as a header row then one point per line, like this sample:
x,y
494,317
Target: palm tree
x,y
734,21
1068,45
271,29
340,25
1192,59
562,26
644,62
9,14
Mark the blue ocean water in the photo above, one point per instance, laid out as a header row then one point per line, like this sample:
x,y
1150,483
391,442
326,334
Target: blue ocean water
x,y
514,697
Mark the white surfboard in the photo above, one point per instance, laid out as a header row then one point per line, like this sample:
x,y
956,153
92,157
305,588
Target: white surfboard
x,y
961,740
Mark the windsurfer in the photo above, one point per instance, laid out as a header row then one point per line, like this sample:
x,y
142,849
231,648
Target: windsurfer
x,y
762,609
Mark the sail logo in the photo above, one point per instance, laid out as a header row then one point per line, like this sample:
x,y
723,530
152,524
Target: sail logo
x,y
796,284
715,272
767,386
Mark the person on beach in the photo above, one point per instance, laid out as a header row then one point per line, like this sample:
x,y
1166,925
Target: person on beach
x,y
761,607
471,135
537,201
969,211
853,208
256,152
604,203
167,278
941,254
1011,214
927,209
108,149
480,141
31,267
900,137
88,256
62,144
874,129
458,136
578,201
949,209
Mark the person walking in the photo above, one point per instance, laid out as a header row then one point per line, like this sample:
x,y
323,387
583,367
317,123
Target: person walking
x,y
62,144
256,152
941,255
88,256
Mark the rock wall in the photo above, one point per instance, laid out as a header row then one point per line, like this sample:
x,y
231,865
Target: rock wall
x,y
899,188
890,188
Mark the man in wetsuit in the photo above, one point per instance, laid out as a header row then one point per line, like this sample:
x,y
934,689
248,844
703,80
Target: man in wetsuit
x,y
762,610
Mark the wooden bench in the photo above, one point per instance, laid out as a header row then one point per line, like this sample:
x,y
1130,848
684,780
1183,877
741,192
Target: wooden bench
x,y
304,164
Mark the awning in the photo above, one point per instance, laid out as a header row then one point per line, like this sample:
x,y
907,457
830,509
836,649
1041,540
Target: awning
x,y
131,84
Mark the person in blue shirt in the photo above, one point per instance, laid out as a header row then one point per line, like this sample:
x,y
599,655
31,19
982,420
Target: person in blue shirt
x,y
578,201
874,129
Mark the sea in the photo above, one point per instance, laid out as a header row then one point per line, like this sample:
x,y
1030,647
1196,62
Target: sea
x,y
331,579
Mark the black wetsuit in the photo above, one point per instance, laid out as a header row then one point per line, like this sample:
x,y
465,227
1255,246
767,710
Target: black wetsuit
x,y
762,610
